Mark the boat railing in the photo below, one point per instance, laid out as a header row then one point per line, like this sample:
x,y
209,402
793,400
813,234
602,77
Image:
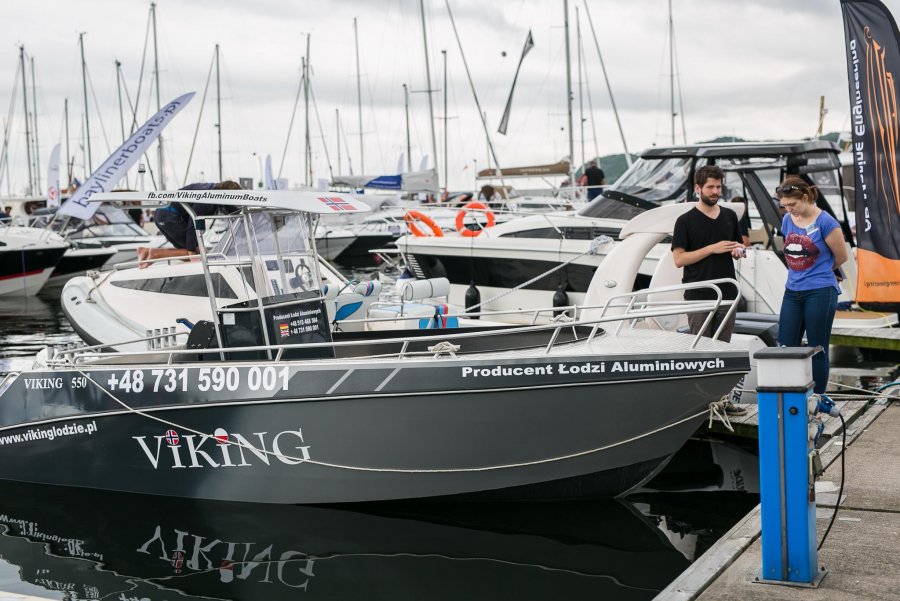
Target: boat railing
x,y
634,309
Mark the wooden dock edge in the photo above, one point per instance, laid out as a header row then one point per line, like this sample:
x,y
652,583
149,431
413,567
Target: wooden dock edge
x,y
700,574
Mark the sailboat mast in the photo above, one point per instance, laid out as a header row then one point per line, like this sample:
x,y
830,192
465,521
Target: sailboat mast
x,y
121,109
37,145
428,90
69,161
446,171
408,142
580,93
672,71
307,148
569,97
362,162
219,112
30,189
159,140
337,131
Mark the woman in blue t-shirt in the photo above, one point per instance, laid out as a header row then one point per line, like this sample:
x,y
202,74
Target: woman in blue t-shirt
x,y
813,249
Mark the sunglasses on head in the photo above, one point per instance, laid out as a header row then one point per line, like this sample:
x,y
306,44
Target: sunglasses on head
x,y
782,190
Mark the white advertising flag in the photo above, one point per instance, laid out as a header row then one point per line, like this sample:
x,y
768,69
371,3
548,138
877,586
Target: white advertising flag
x,y
114,168
53,178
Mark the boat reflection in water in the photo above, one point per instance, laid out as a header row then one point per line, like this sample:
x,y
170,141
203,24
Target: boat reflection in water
x,y
92,545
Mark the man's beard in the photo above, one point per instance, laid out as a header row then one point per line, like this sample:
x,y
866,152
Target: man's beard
x,y
708,201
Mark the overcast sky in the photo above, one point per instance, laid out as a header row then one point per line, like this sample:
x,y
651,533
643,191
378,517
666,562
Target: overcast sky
x,y
749,68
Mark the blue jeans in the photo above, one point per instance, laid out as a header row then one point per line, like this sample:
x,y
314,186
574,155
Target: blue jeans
x,y
811,311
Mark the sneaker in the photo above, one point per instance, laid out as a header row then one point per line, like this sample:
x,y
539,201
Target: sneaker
x,y
732,409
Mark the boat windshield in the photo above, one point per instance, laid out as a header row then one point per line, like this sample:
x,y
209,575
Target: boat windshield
x,y
107,221
274,234
604,207
656,179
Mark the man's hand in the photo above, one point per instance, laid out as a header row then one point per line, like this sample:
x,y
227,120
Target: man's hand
x,y
725,246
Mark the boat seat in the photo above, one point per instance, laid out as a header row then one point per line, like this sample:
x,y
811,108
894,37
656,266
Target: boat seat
x,y
415,316
354,305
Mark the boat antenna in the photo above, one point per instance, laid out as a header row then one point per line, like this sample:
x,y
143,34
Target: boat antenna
x,y
612,100
408,143
474,94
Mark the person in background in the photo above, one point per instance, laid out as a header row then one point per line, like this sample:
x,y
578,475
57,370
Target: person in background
x,y
704,242
5,214
489,196
813,249
177,226
593,178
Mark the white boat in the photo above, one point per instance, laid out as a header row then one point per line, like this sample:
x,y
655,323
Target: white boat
x,y
532,249
26,260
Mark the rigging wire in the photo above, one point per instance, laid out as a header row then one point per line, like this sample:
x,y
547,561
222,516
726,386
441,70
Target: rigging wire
x,y
199,118
287,140
4,154
312,95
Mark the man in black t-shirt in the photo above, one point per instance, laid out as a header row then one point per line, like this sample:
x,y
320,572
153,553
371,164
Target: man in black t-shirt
x,y
705,240
593,178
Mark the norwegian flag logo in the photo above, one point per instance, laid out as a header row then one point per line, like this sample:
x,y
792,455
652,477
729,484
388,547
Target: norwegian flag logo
x,y
172,437
177,560
336,204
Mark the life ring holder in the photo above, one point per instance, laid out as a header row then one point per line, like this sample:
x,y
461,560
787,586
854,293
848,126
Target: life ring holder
x,y
461,217
412,216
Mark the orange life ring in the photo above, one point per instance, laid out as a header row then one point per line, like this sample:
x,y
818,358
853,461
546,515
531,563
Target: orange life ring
x,y
461,216
412,216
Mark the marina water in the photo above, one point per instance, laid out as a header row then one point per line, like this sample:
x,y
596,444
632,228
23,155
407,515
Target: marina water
x,y
63,543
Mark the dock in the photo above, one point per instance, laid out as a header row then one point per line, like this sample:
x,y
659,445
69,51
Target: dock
x,y
860,553
747,425
884,339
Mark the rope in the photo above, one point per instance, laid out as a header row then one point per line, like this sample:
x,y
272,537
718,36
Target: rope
x,y
444,347
399,470
593,249
717,409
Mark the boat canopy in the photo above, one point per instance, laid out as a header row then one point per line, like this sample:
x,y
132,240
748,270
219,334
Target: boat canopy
x,y
329,203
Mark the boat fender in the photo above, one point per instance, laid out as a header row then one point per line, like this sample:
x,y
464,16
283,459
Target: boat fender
x,y
473,297
412,216
560,299
461,218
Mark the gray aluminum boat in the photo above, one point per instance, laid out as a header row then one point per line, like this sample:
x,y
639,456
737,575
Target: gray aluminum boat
x,y
267,404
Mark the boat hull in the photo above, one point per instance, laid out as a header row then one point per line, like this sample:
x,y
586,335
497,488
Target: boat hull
x,y
357,432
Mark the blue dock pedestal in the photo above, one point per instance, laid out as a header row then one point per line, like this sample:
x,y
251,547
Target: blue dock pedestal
x,y
786,455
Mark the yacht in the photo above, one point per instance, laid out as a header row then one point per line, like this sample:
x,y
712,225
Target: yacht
x,y
26,260
558,253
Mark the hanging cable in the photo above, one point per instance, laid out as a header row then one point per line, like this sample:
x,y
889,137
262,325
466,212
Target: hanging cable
x,y
837,503
199,117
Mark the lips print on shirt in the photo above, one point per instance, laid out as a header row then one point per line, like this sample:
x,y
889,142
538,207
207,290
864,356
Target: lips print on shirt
x,y
800,252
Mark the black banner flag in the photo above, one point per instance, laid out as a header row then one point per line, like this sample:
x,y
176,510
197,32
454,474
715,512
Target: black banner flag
x,y
873,59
